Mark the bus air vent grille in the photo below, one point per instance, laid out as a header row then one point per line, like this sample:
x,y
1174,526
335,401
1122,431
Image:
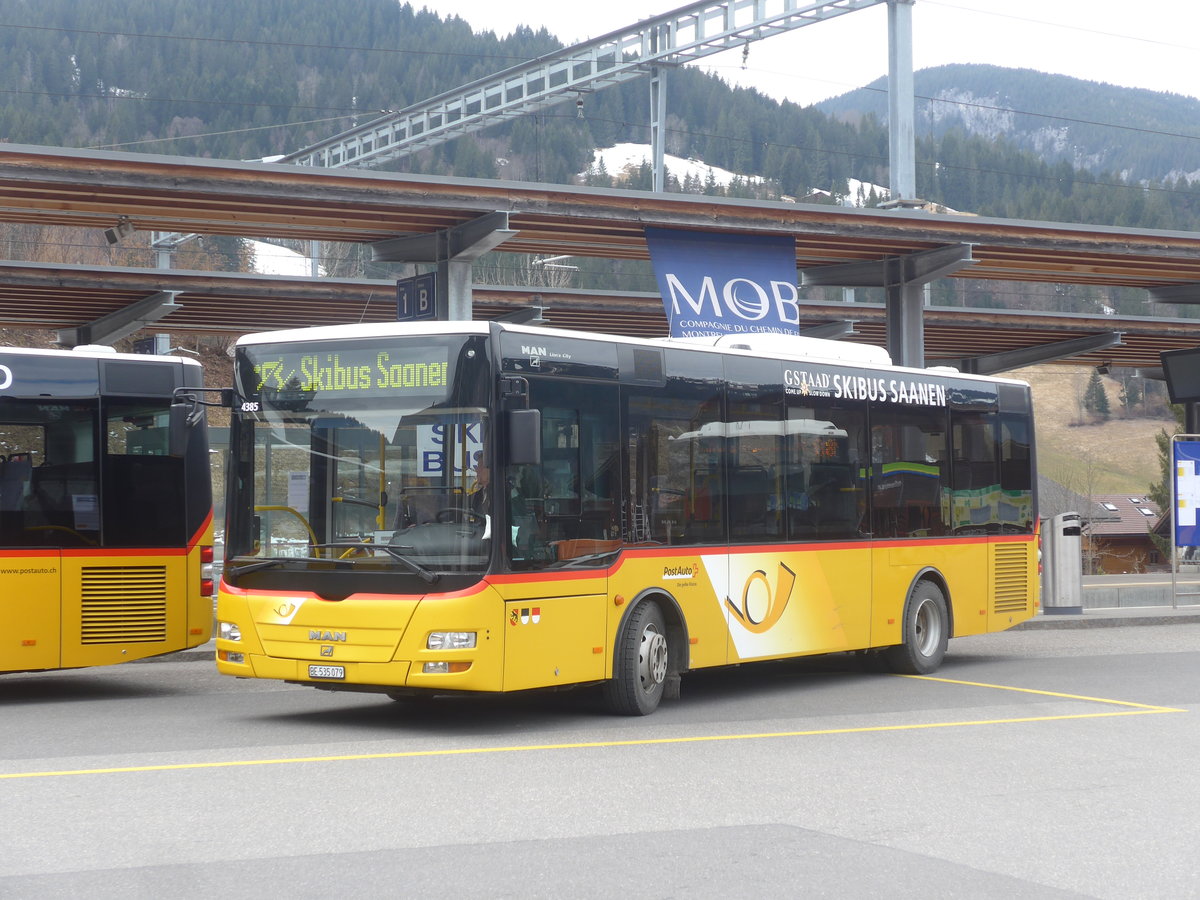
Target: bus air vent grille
x,y
1012,578
124,604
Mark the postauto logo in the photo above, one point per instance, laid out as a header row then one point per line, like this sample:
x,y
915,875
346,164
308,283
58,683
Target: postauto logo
x,y
685,572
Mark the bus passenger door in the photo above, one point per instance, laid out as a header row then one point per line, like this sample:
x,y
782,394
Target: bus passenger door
x,y
560,526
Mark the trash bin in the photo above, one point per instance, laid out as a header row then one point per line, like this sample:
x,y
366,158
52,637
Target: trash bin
x,y
1062,565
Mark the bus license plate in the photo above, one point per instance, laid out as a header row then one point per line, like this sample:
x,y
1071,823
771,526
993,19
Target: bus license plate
x,y
326,671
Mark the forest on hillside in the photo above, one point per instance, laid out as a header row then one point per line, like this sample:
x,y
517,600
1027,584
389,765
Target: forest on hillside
x,y
258,78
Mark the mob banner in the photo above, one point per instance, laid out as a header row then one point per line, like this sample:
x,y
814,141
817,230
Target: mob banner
x,y
718,284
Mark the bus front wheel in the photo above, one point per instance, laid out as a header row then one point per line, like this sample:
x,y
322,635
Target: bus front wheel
x,y
926,632
641,664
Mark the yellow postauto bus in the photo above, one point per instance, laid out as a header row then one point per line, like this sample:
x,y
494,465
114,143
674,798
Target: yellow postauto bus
x,y
106,537
472,506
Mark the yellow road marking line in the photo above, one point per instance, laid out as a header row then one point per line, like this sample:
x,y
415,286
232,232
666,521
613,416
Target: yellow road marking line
x,y
1139,709
1005,687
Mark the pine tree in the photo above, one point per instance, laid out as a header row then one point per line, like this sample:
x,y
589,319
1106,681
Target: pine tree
x,y
1095,399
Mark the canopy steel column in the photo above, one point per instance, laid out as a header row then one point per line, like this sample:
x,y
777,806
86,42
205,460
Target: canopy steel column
x,y
903,279
453,250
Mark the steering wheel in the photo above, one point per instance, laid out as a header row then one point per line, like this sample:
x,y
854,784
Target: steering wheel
x,y
458,514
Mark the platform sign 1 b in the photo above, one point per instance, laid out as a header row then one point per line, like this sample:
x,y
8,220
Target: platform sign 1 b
x,y
1186,453
415,298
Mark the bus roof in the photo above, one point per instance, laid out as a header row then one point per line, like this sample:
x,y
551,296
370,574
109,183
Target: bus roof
x,y
365,330
781,346
93,351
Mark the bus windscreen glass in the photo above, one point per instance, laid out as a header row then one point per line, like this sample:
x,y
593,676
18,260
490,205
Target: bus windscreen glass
x,y
367,458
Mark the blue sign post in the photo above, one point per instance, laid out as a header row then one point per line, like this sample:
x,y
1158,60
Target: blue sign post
x,y
719,284
1186,490
1185,502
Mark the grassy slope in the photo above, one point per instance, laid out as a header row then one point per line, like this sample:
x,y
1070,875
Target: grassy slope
x,y
1119,456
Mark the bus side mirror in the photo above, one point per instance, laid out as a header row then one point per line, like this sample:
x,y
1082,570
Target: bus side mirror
x,y
178,429
524,437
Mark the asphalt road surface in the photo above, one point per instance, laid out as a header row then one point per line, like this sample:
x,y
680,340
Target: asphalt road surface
x,y
1053,763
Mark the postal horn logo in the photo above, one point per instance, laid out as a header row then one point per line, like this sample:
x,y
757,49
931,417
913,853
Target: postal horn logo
x,y
762,606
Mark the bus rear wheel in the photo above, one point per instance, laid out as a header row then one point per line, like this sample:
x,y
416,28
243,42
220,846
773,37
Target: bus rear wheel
x,y
926,632
641,665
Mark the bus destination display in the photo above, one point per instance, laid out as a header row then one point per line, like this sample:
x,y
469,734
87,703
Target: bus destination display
x,y
349,371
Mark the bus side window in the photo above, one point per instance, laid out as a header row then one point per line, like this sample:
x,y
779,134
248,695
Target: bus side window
x,y
15,475
16,472
825,471
908,472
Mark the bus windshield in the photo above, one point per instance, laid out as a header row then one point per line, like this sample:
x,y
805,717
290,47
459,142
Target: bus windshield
x,y
365,458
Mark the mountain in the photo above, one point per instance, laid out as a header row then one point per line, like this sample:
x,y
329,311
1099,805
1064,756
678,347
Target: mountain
x,y
1139,135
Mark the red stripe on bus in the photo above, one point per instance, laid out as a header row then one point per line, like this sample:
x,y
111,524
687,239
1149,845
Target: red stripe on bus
x,y
200,532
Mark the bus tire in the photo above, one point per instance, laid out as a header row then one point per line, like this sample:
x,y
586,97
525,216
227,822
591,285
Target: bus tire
x,y
926,632
642,663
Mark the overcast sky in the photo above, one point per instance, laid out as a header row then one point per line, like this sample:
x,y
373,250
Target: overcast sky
x,y
1152,44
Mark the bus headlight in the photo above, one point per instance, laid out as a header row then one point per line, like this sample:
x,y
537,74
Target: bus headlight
x,y
450,640
229,631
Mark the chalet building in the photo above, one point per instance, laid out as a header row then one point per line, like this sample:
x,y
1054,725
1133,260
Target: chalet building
x,y
1116,538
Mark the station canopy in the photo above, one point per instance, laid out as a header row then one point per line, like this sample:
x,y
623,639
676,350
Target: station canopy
x,y
93,189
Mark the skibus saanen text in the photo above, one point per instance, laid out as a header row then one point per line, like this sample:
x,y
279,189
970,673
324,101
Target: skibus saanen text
x,y
483,507
105,525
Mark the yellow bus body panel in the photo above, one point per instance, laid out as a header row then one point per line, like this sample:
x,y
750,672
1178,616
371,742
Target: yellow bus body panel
x,y
556,636
555,628
200,607
378,639
1014,572
30,610
78,608
798,603
118,608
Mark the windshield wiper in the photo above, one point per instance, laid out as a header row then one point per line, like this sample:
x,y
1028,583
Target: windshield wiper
x,y
255,566
246,568
412,565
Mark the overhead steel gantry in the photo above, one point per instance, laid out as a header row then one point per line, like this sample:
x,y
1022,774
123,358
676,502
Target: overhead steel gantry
x,y
684,35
